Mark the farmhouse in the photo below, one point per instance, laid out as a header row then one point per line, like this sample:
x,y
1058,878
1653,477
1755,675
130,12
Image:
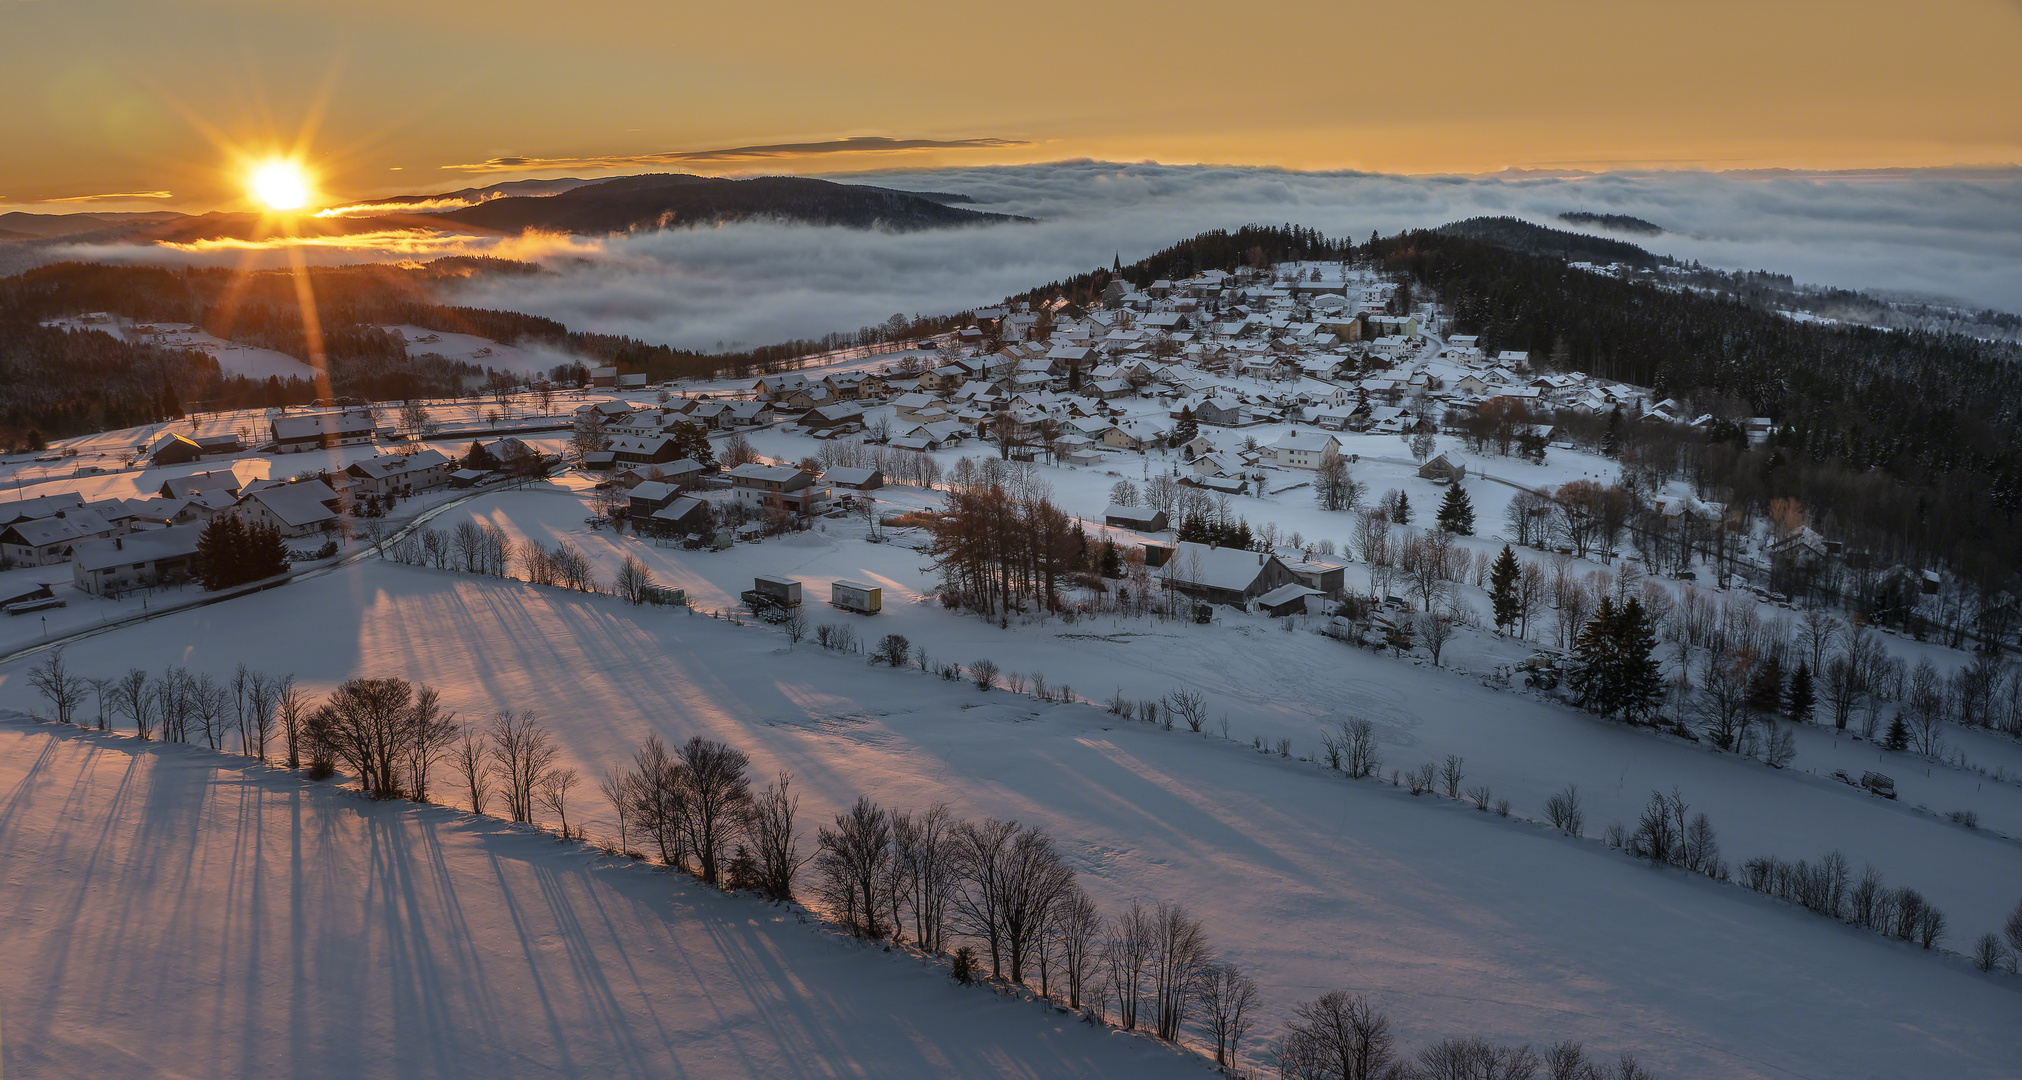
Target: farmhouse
x,y
296,509
296,432
854,478
399,474
153,557
1140,518
1222,575
43,541
1305,451
784,486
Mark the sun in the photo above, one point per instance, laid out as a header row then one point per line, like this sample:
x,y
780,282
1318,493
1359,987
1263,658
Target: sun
x,y
280,185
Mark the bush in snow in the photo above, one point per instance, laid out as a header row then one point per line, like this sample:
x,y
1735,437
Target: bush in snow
x,y
892,650
983,673
1563,810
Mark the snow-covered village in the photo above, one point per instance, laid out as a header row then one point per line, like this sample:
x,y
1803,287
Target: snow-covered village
x,y
573,542
1163,685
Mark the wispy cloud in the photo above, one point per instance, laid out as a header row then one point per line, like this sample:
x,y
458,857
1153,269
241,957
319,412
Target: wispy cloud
x,y
115,196
409,206
861,144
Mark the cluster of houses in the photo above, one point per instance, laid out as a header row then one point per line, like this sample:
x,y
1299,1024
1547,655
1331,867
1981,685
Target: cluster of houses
x,y
115,545
1319,348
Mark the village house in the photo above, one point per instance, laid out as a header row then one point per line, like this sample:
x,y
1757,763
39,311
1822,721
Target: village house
x,y
141,560
173,449
1221,575
1305,450
296,509
399,474
776,486
856,478
1443,470
1139,518
47,541
41,506
296,432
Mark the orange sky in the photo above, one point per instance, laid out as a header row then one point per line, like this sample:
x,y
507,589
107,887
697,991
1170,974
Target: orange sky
x,y
116,97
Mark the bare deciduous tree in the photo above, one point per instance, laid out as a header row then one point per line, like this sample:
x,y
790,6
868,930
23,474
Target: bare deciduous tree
x,y
63,688
1227,998
717,778
472,758
1337,1036
1180,960
553,791
852,862
522,752
769,826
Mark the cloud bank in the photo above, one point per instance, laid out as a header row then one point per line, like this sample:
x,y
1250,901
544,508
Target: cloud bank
x,y
1943,234
1953,233
862,144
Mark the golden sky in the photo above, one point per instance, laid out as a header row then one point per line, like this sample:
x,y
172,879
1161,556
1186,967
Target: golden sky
x,y
151,98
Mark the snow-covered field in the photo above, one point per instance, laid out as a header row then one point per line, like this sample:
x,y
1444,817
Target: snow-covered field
x,y
167,913
232,357
1457,921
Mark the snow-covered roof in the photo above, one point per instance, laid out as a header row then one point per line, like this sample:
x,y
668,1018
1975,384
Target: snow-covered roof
x,y
148,545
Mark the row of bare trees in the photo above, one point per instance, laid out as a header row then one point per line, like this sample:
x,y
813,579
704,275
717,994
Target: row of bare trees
x,y
1342,1036
244,713
931,878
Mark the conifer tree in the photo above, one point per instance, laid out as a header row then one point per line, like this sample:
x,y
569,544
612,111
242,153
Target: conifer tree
x,y
220,549
1616,669
1502,594
1798,702
1456,512
1186,427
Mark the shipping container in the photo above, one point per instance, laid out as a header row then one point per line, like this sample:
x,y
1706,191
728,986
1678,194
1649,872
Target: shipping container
x,y
856,596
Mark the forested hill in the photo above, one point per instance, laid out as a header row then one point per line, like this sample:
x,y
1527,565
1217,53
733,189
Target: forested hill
x,y
1918,432
1509,232
56,383
669,200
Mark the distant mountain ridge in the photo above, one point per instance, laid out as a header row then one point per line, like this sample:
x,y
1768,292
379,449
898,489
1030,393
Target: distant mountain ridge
x,y
622,204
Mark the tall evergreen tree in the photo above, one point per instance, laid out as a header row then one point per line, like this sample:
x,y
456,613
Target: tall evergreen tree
x,y
1765,688
1798,702
1616,670
1456,512
221,549
264,554
1186,427
1502,579
1898,735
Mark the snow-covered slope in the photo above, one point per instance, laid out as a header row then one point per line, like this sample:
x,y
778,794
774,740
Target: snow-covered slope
x,y
1456,921
166,913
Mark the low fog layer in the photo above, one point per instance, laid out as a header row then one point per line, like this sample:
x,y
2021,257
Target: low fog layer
x,y
1943,233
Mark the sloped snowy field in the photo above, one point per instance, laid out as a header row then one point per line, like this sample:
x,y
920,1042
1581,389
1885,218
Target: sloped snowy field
x,y
1458,922
164,916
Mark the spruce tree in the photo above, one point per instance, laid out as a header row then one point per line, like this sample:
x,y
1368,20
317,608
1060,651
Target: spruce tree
x,y
1456,512
1798,703
264,553
220,550
479,458
1611,441
1502,579
1593,660
1641,684
1898,736
1616,669
1186,427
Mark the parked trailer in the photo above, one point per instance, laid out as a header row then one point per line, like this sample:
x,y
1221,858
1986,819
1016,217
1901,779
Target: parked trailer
x,y
856,596
772,592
